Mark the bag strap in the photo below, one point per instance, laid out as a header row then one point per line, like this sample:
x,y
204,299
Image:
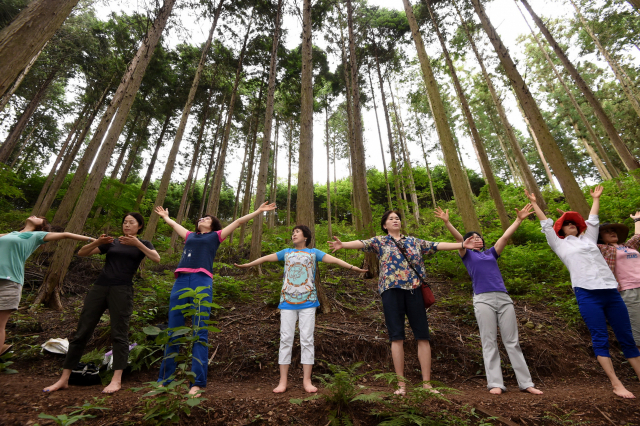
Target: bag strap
x,y
422,280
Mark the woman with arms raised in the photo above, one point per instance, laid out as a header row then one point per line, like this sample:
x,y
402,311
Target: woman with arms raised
x,y
298,301
15,249
196,270
595,287
399,287
113,290
493,306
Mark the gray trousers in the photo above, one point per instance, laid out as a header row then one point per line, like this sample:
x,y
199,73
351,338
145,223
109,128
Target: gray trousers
x,y
495,309
631,298
119,300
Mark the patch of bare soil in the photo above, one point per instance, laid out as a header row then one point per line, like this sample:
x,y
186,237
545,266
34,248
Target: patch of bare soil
x,y
244,370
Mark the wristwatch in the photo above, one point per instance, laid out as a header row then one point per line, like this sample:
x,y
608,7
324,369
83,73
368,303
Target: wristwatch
x,y
90,240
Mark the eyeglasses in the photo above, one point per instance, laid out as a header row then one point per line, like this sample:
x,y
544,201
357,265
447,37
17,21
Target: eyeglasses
x,y
568,222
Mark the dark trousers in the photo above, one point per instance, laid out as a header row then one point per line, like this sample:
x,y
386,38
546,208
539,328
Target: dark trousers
x,y
119,300
398,303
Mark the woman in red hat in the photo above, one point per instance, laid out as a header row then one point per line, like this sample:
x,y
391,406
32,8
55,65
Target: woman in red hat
x,y
595,287
624,261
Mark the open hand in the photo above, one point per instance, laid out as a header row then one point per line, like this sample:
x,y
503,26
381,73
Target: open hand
x,y
530,196
129,240
104,239
355,268
246,265
635,216
266,207
597,191
442,214
471,243
163,213
526,211
335,245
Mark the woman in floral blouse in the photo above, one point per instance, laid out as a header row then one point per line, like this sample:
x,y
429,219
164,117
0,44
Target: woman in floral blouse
x,y
399,287
624,261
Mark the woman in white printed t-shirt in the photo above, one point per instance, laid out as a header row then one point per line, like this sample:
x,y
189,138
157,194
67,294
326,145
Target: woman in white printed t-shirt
x,y
298,301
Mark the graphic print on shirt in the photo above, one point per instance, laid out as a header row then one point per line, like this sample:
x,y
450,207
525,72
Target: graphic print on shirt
x,y
629,255
299,276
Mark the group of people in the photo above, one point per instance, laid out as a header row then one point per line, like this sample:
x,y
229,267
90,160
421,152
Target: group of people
x,y
605,276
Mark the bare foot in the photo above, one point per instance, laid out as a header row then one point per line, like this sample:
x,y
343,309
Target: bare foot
x,y
195,391
112,388
430,388
496,391
308,387
622,392
59,385
282,387
534,390
400,391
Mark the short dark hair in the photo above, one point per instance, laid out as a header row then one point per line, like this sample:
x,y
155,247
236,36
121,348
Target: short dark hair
x,y
138,217
471,234
385,216
215,223
306,232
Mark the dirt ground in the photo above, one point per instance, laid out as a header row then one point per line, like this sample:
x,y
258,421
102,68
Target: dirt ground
x,y
243,370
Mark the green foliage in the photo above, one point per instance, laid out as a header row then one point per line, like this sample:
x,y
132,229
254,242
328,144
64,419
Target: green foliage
x,y
5,363
96,356
79,414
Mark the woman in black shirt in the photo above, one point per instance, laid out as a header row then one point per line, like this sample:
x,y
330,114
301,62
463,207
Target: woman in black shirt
x,y
113,290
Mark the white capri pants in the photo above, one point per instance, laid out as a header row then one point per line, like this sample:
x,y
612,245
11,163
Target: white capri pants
x,y
306,319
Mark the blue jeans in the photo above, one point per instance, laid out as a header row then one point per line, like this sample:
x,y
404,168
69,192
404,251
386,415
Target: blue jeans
x,y
176,319
598,307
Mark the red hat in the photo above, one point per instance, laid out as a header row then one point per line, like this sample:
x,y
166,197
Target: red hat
x,y
572,216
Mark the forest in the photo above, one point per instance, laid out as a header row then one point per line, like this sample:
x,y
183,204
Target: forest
x,y
336,111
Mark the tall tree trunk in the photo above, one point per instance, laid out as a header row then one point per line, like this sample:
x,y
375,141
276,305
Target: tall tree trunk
x,y
208,176
68,159
384,161
27,34
597,162
335,185
152,163
150,228
263,170
371,261
521,167
133,152
14,136
635,3
4,100
304,211
457,175
392,150
186,192
216,186
273,193
405,154
570,187
629,161
243,176
246,202
483,158
289,175
49,292
23,146
426,162
590,130
618,71
326,132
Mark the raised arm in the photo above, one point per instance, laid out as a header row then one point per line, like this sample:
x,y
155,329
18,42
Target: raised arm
x,y
521,215
92,247
268,258
265,207
636,220
327,258
536,208
467,244
444,215
336,244
164,214
595,194
55,236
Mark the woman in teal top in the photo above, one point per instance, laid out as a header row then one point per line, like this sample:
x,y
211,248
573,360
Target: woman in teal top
x,y
15,249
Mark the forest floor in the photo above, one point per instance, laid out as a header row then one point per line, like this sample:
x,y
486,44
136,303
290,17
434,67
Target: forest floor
x,y
244,370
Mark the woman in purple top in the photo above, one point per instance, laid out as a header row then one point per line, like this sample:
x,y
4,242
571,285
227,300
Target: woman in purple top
x,y
196,270
493,306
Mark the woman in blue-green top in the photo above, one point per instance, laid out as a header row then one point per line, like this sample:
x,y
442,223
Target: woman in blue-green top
x,y
15,249
298,301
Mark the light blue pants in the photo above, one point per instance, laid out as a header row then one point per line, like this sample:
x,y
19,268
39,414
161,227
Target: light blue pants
x,y
176,319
